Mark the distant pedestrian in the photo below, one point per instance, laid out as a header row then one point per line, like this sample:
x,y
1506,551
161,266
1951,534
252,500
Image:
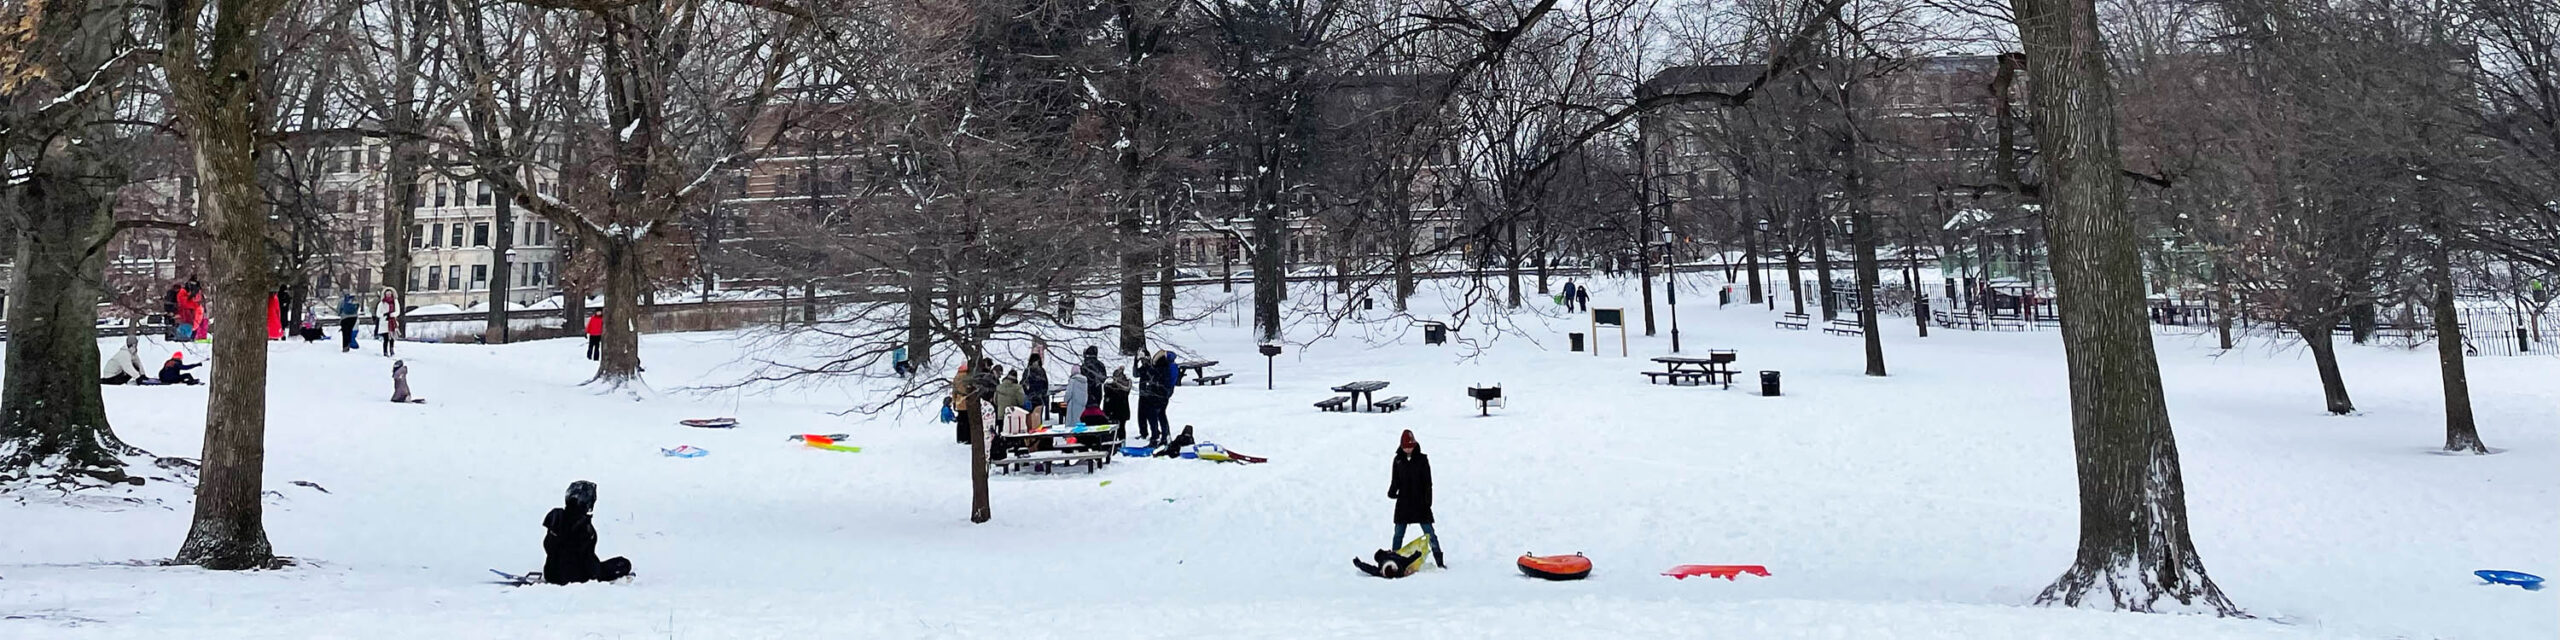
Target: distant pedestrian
x,y
898,361
1409,485
1568,295
595,335
1582,298
347,313
1155,394
387,321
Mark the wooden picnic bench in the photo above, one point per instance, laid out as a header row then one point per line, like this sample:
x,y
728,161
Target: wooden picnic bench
x,y
1999,323
1388,405
1050,461
1796,321
1844,327
1362,390
1334,404
1210,380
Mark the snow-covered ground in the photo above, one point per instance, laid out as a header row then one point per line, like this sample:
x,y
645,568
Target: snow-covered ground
x,y
1933,503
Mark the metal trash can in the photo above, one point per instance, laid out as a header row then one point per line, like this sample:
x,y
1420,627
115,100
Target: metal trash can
x,y
1434,333
1768,383
1576,339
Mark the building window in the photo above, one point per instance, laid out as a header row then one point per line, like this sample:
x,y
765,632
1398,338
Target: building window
x,y
480,234
435,278
364,239
337,161
479,276
457,234
487,191
415,282
439,194
417,237
435,235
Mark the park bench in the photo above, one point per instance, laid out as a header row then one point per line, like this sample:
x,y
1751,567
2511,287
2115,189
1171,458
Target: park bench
x,y
1844,327
1674,377
1049,461
1334,404
1795,321
1388,405
1210,380
2007,323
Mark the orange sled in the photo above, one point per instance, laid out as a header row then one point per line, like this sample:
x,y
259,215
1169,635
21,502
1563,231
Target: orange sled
x,y
1572,567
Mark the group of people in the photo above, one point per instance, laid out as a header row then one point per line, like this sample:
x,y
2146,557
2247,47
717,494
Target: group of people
x,y
987,395
1575,297
125,367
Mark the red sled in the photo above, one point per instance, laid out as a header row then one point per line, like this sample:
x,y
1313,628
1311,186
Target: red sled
x,y
1726,571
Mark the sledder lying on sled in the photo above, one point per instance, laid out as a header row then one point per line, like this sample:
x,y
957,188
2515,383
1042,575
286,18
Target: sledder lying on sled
x,y
1403,561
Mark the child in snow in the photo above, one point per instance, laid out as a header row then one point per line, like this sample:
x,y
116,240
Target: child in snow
x,y
595,335
1410,487
126,366
569,541
1174,449
400,382
174,371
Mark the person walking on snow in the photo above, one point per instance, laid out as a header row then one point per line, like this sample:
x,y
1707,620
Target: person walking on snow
x,y
387,321
1568,295
1582,298
569,541
595,335
347,313
125,367
1410,487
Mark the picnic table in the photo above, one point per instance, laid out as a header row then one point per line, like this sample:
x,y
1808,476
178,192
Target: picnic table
x,y
1192,371
1095,446
1361,391
1717,364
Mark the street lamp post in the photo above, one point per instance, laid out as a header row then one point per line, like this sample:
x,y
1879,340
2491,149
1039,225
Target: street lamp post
x,y
1670,289
1768,295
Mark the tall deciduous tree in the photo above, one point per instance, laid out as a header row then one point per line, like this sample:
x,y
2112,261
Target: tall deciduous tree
x,y
210,55
2134,548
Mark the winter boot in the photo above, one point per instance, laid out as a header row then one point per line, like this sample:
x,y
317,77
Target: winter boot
x,y
1438,559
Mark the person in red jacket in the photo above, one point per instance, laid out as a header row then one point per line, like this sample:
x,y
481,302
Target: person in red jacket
x,y
595,335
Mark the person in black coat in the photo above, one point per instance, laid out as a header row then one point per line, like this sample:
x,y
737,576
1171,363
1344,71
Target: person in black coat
x,y
1155,393
1115,400
1094,375
569,541
1411,489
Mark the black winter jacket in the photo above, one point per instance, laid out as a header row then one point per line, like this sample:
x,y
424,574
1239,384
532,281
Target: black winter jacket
x,y
1411,488
568,547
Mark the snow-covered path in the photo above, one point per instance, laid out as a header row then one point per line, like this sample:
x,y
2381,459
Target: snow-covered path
x,y
1933,503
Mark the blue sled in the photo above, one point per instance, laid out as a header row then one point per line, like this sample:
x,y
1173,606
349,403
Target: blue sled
x,y
2518,578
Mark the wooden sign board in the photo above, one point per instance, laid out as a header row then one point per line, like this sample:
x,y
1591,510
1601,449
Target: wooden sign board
x,y
1609,318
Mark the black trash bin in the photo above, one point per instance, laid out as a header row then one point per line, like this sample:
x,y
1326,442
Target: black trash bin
x,y
1576,339
1768,383
1435,333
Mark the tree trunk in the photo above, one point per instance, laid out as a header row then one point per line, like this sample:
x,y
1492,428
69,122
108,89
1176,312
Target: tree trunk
x,y
1795,276
2319,335
920,320
1267,249
620,361
980,509
2460,434
1822,264
2222,307
51,412
212,87
1870,279
1511,263
500,267
2134,549
1751,259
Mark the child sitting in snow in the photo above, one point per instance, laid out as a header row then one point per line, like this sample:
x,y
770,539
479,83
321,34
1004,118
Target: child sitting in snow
x,y
569,541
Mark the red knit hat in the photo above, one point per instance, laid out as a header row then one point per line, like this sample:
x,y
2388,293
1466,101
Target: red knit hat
x,y
1408,441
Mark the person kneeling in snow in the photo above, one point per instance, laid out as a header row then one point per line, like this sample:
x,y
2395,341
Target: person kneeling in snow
x,y
126,366
400,383
569,542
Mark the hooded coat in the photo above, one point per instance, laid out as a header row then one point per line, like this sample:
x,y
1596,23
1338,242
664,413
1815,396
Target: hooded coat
x,y
1077,399
1009,393
1035,381
126,362
1094,374
1411,486
1115,398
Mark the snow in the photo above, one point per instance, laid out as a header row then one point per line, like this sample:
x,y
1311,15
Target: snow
x,y
1933,504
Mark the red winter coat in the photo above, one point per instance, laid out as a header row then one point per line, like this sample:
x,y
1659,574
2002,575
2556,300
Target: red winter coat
x,y
595,325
